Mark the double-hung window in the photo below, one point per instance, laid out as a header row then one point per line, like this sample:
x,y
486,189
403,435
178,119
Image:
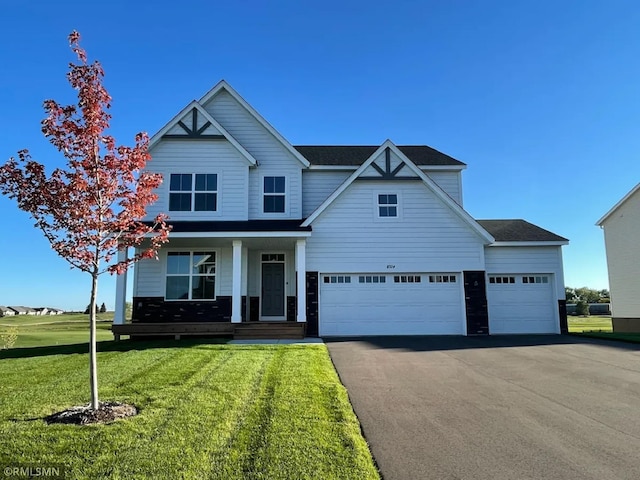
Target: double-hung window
x,y
191,275
190,192
387,205
274,195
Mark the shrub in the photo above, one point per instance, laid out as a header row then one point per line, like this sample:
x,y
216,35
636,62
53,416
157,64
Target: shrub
x,y
582,308
8,339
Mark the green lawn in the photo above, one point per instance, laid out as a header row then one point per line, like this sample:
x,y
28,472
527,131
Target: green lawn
x,y
56,333
24,320
207,411
591,323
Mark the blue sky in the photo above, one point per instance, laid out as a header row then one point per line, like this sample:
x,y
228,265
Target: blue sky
x,y
540,98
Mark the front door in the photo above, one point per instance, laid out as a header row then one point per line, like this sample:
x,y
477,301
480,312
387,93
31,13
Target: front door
x,y
272,290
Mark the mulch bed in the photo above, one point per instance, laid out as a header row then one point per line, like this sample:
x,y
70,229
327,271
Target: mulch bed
x,y
107,412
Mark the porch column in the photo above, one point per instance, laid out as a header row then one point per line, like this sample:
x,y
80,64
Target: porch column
x,y
301,272
236,292
120,310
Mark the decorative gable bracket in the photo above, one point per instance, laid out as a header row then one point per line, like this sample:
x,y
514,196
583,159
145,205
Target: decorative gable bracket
x,y
194,132
388,173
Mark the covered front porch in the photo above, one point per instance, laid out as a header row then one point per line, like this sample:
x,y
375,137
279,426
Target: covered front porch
x,y
220,277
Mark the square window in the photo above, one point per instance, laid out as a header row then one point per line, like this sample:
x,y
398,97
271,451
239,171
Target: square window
x,y
383,279
180,202
361,279
205,202
387,205
327,280
206,182
347,279
273,204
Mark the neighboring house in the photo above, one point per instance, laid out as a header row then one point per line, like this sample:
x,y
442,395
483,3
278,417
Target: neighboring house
x,y
621,227
349,240
6,312
20,310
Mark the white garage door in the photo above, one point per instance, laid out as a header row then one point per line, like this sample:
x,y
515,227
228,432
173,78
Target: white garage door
x,y
521,304
385,304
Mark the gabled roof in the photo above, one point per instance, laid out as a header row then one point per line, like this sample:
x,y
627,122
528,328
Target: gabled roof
x,y
446,199
201,111
223,85
355,155
618,205
519,231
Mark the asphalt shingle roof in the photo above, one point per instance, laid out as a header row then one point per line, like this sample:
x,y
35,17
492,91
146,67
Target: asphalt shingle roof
x,y
518,231
344,155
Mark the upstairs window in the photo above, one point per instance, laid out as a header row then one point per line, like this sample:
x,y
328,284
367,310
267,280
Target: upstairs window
x,y
193,192
388,205
274,194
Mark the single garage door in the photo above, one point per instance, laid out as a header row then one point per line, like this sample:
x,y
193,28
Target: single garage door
x,y
391,304
521,304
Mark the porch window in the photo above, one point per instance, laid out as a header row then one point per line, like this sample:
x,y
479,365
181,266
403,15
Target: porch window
x,y
274,195
191,275
193,192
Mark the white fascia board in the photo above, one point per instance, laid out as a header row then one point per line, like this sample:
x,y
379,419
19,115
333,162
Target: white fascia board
x,y
439,192
334,167
158,136
449,168
238,235
222,84
618,205
529,244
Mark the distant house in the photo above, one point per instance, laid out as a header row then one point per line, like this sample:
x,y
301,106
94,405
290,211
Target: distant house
x,y
55,311
20,310
42,311
6,312
621,227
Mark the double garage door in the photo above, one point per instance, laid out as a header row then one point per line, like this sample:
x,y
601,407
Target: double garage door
x,y
431,304
391,304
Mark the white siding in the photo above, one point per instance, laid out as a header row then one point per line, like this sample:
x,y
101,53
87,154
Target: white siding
x,y
427,235
202,156
317,185
273,157
522,260
450,182
621,233
149,277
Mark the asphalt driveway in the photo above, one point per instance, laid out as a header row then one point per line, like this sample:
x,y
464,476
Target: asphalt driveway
x,y
535,407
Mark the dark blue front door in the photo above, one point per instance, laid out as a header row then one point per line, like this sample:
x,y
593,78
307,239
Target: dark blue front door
x,y
273,289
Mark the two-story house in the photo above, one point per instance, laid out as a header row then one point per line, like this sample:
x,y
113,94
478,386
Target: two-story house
x,y
341,240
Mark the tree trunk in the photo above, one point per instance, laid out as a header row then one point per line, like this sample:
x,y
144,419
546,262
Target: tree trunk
x,y
93,363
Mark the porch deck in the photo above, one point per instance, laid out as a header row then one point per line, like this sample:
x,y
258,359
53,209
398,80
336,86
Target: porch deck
x,y
238,331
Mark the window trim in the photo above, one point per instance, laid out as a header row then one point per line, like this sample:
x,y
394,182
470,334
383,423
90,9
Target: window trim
x,y
285,195
191,251
193,192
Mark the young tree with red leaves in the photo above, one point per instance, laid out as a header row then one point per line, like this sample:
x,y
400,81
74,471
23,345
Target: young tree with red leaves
x,y
95,207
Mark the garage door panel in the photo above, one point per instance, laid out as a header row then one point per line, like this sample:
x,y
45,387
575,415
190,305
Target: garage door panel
x,y
391,308
520,307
